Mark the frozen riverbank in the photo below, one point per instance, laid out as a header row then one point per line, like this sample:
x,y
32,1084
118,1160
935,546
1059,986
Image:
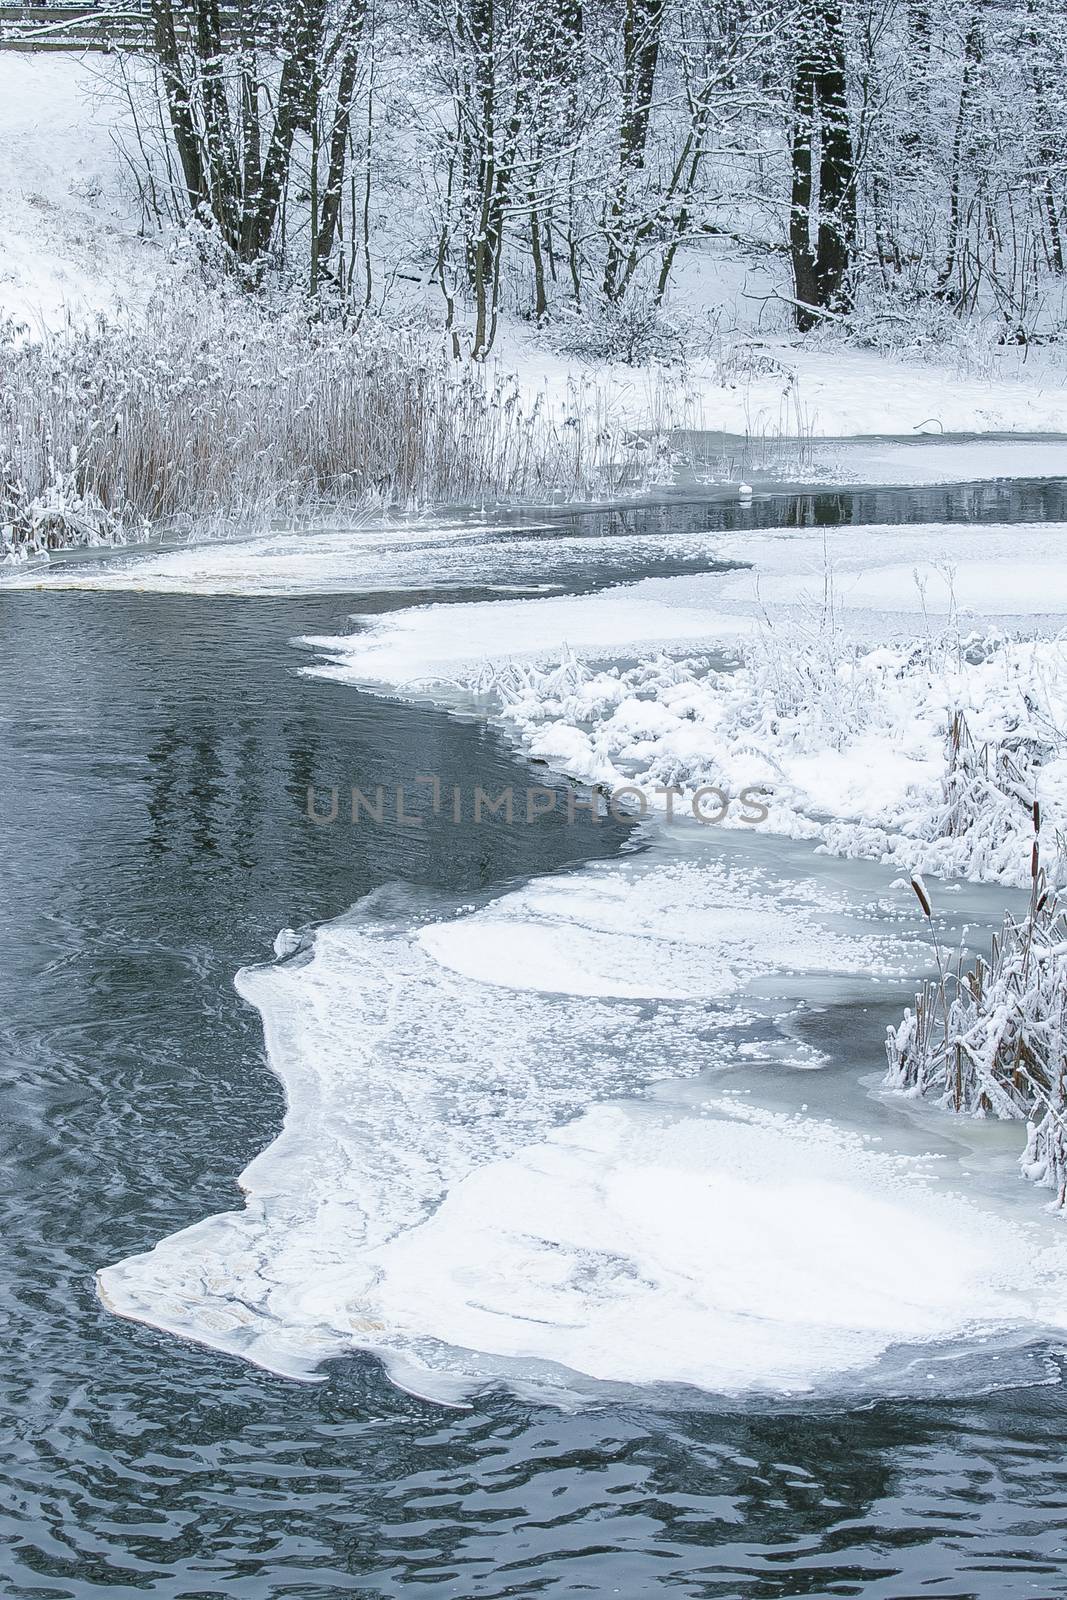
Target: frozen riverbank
x,y
491,1074
898,693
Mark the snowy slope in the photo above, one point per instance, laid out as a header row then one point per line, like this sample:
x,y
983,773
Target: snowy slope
x,y
70,219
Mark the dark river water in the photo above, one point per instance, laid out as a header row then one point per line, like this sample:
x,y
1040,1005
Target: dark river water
x,y
156,754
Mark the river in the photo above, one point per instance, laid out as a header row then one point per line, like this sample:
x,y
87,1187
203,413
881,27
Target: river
x,y
158,750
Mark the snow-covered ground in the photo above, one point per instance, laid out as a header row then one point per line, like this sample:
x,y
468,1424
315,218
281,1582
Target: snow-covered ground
x,y
824,393
70,220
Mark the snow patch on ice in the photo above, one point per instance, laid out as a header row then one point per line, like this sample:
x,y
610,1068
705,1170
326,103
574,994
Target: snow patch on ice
x,y
416,1058
947,460
736,1251
679,932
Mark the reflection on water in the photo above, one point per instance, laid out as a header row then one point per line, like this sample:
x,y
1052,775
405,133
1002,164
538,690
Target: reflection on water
x,y
156,757
1013,500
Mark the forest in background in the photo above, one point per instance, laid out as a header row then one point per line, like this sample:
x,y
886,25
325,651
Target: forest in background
x,y
637,183
897,163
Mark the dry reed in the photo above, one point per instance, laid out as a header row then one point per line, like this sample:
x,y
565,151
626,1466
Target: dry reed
x,y
992,1041
202,412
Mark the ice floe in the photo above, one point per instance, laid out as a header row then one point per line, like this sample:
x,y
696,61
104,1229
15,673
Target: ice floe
x,y
469,1182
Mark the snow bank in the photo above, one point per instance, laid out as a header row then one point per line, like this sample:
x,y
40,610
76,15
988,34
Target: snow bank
x,y
849,738
857,762
443,1194
69,217
850,744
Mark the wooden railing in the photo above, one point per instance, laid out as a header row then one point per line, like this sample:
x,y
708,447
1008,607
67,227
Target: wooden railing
x,y
114,26
73,27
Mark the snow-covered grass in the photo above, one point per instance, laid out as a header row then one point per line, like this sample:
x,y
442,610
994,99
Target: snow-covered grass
x,y
993,1041
926,755
782,385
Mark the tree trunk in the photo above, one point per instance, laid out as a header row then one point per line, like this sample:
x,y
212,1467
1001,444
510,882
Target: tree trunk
x,y
338,150
972,56
642,29
822,217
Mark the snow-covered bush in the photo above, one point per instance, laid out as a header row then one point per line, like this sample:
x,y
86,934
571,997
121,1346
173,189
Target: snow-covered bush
x,y
992,1041
634,331
926,329
747,359
205,408
64,513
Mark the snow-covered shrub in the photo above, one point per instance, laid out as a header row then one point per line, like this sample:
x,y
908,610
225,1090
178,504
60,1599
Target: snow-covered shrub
x,y
925,328
871,751
808,678
206,408
634,331
992,1041
990,786
748,359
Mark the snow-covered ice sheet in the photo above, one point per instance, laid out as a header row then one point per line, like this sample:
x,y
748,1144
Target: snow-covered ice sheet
x,y
378,556
733,1251
447,1192
1008,572
522,557
446,647
936,460
887,579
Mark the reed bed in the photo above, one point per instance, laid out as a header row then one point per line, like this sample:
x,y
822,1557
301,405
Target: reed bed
x,y
992,1041
208,411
